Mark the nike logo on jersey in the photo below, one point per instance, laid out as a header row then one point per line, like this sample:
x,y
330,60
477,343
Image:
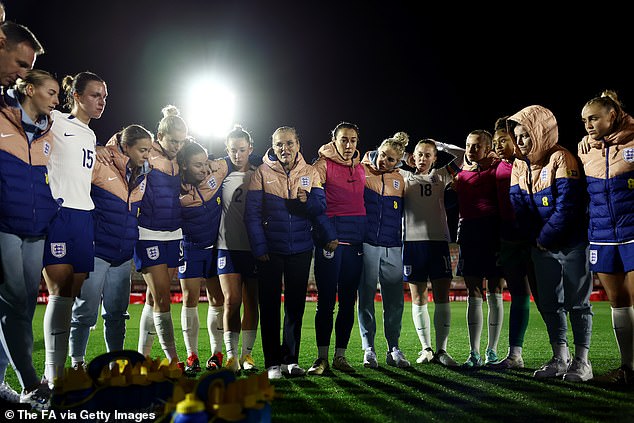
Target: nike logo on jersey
x,y
3,135
68,135
112,179
269,182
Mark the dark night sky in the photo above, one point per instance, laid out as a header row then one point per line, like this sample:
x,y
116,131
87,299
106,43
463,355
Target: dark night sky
x,y
439,72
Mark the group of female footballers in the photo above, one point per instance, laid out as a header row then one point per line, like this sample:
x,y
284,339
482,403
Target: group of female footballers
x,y
247,229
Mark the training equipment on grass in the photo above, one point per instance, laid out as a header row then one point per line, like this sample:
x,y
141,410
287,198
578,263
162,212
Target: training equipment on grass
x,y
127,382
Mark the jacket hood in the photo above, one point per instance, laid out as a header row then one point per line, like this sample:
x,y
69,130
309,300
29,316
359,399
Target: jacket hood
x,y
11,100
120,160
369,159
270,159
541,125
329,151
622,134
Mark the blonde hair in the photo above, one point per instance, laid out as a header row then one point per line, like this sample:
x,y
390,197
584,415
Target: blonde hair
x,y
35,77
172,121
398,142
607,99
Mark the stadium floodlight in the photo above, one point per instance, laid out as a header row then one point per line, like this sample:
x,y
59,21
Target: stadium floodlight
x,y
210,107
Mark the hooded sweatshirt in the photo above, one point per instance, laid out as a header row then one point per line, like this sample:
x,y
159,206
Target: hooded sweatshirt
x,y
546,189
344,184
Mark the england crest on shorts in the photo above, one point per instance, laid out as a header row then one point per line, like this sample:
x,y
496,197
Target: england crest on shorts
x,y
396,184
222,262
628,155
304,181
153,252
544,175
328,254
212,183
58,249
182,268
407,270
594,256
46,149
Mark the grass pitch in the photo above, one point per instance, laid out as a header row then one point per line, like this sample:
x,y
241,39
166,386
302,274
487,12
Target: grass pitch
x,y
424,392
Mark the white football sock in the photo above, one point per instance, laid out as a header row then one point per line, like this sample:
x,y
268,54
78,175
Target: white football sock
x,y
56,333
147,331
214,328
231,343
190,324
623,324
165,331
422,324
442,324
248,340
495,319
474,322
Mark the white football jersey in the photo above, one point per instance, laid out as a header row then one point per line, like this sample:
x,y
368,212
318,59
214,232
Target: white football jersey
x,y
424,215
72,161
233,232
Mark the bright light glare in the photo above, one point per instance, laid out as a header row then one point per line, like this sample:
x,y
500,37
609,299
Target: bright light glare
x,y
210,108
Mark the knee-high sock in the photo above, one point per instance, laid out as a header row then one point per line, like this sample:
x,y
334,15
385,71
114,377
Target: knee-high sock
x,y
442,324
623,324
422,324
474,322
190,324
165,332
147,331
495,319
231,343
214,328
56,333
248,340
518,319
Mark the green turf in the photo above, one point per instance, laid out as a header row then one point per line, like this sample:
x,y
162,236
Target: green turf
x,y
424,392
